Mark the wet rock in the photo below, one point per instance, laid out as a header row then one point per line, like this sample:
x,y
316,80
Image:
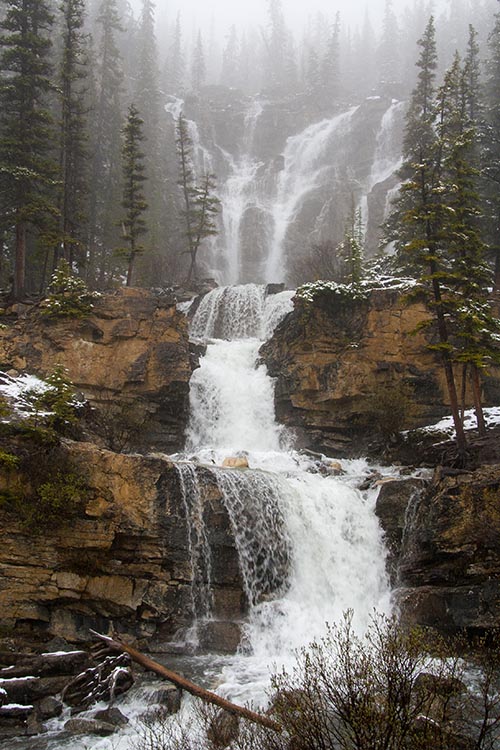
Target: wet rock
x,y
450,559
48,664
90,726
391,509
219,636
112,716
49,708
169,697
274,289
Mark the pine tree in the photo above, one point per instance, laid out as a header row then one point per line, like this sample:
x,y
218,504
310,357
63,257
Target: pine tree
x,y
490,142
419,238
200,202
198,66
28,174
275,41
230,57
106,147
173,77
133,203
352,248
73,129
330,66
388,51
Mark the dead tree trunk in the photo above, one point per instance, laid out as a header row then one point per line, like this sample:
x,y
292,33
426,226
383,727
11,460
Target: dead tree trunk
x,y
188,686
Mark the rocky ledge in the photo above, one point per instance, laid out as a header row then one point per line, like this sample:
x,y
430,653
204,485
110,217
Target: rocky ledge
x,y
123,563
444,543
130,358
345,367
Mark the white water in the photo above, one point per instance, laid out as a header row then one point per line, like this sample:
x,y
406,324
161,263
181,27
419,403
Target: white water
x,y
240,192
306,159
310,546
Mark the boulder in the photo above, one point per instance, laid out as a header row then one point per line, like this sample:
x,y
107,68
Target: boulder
x,y
238,462
90,726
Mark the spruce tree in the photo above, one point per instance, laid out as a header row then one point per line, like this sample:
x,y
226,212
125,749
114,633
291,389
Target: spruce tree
x,y
419,236
73,130
28,174
201,205
133,202
491,146
106,146
198,65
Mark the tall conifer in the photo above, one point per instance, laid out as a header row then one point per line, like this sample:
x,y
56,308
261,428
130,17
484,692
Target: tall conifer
x,y
28,175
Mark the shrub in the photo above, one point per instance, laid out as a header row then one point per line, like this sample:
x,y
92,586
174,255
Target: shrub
x,y
50,504
57,403
391,690
8,460
390,406
68,295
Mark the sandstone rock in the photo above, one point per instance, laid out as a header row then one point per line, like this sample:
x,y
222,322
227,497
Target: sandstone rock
x,y
239,462
332,357
130,358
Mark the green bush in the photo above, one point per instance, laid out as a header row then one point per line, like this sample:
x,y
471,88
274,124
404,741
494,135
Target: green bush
x,y
57,403
8,460
68,295
50,504
390,407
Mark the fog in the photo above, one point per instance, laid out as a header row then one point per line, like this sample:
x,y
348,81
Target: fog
x,y
224,13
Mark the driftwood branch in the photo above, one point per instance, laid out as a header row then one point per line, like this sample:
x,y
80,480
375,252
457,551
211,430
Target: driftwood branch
x,y
187,685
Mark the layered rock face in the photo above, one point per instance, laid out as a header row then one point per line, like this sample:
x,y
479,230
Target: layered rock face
x,y
124,562
133,350
447,560
335,360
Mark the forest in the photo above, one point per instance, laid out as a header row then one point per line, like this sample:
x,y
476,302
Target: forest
x,y
95,169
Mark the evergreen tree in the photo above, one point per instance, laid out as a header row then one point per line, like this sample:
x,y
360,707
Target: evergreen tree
x,y
106,146
389,68
419,238
352,247
275,41
133,203
174,72
148,100
73,135
230,57
491,146
198,65
27,172
469,313
330,66
200,202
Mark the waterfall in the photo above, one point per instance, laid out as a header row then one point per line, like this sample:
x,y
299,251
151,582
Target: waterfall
x,y
305,163
309,544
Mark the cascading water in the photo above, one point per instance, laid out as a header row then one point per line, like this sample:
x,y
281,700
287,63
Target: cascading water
x,y
309,545
305,162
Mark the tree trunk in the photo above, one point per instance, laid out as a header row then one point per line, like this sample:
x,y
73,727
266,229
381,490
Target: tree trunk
x,y
20,262
448,368
478,405
188,686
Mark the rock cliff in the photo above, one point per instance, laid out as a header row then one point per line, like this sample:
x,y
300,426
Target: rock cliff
x,y
123,563
444,549
130,358
341,367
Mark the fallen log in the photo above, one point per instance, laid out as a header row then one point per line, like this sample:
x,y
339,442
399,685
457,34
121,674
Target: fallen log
x,y
187,685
